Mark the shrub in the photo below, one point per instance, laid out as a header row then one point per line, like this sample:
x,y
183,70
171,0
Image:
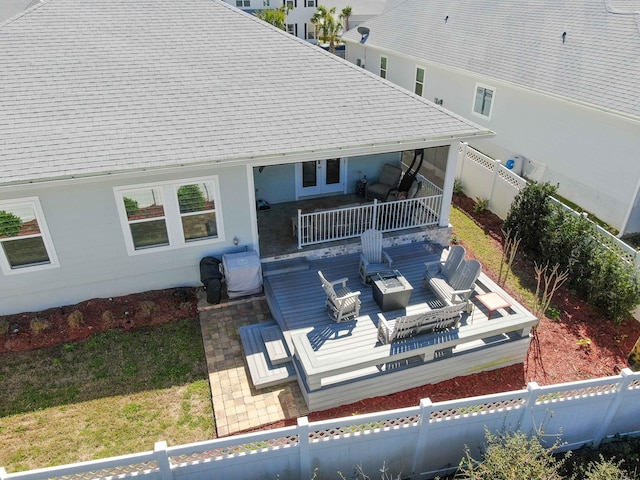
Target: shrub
x,y
10,224
481,205
109,319
38,325
191,199
529,215
75,319
512,456
4,326
131,206
457,186
147,308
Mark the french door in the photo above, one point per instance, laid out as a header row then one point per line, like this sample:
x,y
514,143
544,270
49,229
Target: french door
x,y
320,177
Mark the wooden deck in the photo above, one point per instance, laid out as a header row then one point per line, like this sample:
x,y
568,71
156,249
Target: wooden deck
x,y
341,363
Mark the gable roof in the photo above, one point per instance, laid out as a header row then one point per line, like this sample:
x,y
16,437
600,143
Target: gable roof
x,y
90,87
521,42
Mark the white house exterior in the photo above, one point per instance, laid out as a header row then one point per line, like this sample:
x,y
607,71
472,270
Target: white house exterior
x,y
112,110
559,83
301,11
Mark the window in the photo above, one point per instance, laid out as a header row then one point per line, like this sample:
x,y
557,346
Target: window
x,y
266,3
169,215
243,3
483,101
312,3
383,67
291,28
24,237
419,88
290,3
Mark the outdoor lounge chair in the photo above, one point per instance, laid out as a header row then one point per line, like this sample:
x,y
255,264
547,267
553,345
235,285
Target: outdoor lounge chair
x,y
387,182
373,259
447,267
417,321
342,304
459,287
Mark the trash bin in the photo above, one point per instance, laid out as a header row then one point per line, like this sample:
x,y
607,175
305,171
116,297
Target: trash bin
x,y
211,277
243,273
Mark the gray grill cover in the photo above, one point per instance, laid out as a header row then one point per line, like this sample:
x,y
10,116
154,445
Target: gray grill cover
x,y
243,273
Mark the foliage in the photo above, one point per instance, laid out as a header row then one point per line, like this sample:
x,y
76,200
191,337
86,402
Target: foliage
x,y
191,198
131,206
457,186
275,16
328,27
603,470
75,319
10,224
481,206
529,215
550,280
38,325
512,456
345,14
511,245
613,284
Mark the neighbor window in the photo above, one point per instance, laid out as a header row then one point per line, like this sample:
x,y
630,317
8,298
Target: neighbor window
x,y
243,3
291,28
383,67
312,3
169,215
24,237
266,3
290,3
419,86
483,101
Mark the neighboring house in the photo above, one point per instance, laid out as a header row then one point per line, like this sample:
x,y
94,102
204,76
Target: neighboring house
x,y
299,17
10,8
559,83
132,133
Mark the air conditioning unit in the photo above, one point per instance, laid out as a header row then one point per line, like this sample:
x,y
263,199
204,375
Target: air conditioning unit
x,y
515,164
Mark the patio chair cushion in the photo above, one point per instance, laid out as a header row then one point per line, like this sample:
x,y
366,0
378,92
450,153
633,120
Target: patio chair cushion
x,y
388,181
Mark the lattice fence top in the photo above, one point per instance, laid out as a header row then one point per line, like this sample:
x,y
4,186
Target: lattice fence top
x,y
576,393
120,471
376,425
234,450
477,409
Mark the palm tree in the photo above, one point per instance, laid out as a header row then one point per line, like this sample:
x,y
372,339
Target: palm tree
x,y
327,26
275,16
344,16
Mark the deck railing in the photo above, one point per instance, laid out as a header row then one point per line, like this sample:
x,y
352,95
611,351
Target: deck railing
x,y
417,442
351,220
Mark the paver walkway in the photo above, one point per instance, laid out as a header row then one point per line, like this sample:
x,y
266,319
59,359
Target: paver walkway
x,y
237,405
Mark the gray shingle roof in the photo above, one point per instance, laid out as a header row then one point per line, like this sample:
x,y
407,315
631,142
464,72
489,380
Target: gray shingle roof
x,y
521,42
97,86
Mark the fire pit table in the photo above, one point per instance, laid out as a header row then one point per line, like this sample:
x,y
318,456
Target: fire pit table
x,y
391,290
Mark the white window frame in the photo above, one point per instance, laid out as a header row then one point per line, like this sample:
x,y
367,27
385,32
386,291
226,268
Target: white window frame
x,y
172,215
312,3
383,71
416,82
34,203
493,99
291,28
243,3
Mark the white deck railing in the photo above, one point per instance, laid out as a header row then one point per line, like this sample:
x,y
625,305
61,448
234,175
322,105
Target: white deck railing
x,y
350,221
417,442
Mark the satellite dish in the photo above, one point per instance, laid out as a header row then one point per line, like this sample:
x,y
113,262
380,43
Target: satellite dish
x,y
363,31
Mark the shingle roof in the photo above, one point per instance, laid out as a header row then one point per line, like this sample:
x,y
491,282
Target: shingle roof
x,y
522,42
98,86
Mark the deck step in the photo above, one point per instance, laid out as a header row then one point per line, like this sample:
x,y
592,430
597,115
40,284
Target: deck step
x,y
285,266
263,373
277,351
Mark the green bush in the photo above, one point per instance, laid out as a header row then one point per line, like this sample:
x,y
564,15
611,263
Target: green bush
x,y
512,456
529,215
131,206
191,199
10,224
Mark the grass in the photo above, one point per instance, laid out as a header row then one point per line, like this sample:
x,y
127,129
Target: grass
x,y
116,393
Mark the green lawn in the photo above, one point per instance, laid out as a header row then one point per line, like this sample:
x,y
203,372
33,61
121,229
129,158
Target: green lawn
x,y
115,394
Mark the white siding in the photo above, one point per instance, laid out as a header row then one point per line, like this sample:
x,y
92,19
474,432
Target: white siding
x,y
87,234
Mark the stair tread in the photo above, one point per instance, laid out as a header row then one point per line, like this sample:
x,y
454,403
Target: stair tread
x,y
274,343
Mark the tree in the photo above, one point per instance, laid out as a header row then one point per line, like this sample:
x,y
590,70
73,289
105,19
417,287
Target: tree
x,y
275,16
10,224
327,26
344,16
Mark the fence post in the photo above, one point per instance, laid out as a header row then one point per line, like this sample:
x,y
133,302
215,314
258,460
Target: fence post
x,y
602,426
496,168
303,445
526,419
420,452
162,460
3,474
462,157
299,227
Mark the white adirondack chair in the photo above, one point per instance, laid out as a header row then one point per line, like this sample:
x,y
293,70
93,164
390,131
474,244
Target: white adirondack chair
x,y
419,321
373,259
459,287
446,268
342,304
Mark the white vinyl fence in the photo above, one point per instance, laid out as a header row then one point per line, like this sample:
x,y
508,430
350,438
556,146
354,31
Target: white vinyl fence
x,y
416,442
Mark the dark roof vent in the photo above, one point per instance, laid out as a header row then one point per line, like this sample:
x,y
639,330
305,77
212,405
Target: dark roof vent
x,y
564,36
446,18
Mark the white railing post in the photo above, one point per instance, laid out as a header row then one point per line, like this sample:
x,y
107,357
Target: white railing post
x,y
374,220
426,407
299,227
526,419
3,474
162,460
598,436
303,446
496,167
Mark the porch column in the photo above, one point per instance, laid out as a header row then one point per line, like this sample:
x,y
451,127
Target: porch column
x,y
447,189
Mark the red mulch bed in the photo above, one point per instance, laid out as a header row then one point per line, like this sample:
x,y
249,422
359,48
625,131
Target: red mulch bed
x,y
555,355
